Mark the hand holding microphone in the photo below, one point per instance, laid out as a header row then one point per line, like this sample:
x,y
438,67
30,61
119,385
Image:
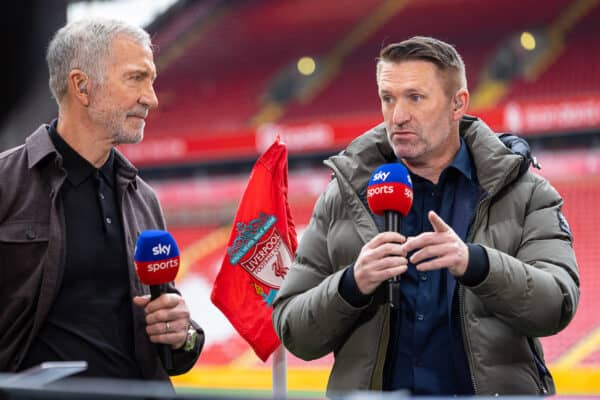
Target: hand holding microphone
x,y
389,194
167,316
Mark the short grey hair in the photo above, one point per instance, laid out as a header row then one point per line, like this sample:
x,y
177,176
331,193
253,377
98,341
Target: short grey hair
x,y
86,44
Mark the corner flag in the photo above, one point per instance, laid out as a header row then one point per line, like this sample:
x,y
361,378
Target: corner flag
x,y
260,250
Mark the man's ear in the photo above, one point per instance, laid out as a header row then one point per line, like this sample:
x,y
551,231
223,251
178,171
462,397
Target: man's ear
x,y
78,86
460,103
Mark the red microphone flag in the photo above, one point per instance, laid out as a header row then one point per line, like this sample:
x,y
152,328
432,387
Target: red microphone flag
x,y
260,250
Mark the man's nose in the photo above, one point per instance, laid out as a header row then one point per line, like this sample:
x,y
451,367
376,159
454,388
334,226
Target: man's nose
x,y
400,116
149,98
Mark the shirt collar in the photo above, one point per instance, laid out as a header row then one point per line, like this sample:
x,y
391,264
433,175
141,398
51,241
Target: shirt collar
x,y
462,161
78,168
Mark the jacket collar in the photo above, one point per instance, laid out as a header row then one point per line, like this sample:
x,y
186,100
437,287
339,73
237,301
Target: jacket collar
x,y
365,153
495,164
126,172
39,146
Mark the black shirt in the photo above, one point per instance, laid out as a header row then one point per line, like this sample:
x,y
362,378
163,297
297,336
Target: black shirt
x,y
91,318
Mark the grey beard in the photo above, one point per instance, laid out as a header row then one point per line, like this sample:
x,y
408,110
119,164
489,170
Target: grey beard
x,y
122,138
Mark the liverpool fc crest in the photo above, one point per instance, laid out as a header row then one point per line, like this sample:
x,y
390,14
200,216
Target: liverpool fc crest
x,y
261,251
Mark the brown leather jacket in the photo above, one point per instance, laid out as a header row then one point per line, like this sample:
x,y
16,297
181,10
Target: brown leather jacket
x,y
32,235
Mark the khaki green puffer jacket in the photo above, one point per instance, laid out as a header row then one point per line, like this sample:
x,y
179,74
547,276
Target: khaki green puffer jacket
x,y
532,289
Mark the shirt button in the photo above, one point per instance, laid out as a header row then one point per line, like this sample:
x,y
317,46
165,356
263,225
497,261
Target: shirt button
x,y
101,196
30,234
424,277
108,220
420,317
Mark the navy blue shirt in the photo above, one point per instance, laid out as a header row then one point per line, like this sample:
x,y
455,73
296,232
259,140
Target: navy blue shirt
x,y
426,353
421,354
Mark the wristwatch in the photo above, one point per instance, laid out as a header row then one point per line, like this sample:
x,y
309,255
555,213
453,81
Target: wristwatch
x,y
190,339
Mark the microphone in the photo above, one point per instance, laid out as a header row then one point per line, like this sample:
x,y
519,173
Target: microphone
x,y
156,260
390,194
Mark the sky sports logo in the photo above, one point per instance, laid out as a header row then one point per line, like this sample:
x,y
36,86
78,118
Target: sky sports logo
x,y
381,176
156,266
389,189
380,189
160,249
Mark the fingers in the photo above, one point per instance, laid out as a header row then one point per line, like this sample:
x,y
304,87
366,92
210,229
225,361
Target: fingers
x,y
141,301
167,327
368,280
442,233
165,301
380,259
437,222
442,248
175,339
447,255
168,307
385,244
167,318
414,244
385,237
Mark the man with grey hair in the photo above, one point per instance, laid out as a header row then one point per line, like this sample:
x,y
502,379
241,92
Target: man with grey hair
x,y
485,256
71,209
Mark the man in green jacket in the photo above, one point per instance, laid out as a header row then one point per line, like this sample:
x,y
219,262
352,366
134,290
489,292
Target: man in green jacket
x,y
485,256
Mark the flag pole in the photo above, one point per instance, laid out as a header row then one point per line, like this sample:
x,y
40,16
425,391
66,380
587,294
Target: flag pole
x,y
279,370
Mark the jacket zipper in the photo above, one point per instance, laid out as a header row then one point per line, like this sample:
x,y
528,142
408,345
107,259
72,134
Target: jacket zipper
x,y
461,289
384,331
461,299
461,310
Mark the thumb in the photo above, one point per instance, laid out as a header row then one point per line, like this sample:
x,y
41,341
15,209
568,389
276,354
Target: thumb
x,y
437,222
141,301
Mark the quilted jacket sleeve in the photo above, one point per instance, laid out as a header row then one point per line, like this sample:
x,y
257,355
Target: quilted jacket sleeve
x,y
534,288
310,316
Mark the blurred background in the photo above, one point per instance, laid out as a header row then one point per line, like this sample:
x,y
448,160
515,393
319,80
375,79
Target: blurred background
x,y
234,73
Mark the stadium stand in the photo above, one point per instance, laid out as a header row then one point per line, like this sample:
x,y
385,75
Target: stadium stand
x,y
201,86
573,73
218,81
354,90
578,196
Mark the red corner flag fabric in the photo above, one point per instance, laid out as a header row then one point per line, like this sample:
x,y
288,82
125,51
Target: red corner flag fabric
x,y
260,250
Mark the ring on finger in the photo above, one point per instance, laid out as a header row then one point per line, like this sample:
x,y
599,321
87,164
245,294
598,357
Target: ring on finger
x,y
167,327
